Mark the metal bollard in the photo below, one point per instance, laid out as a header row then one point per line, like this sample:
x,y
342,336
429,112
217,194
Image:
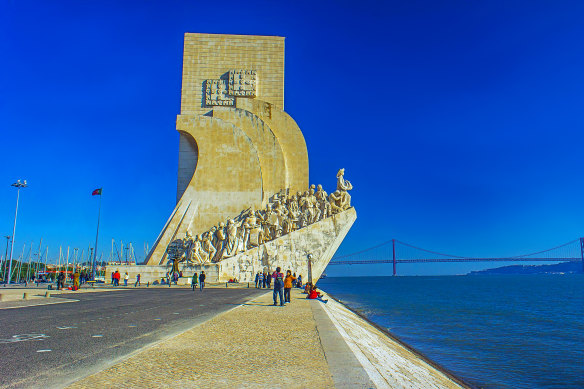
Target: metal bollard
x,y
47,294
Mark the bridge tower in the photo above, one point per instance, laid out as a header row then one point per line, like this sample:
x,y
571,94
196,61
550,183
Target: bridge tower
x,y
582,252
394,264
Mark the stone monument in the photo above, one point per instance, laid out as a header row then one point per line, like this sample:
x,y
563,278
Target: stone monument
x,y
244,203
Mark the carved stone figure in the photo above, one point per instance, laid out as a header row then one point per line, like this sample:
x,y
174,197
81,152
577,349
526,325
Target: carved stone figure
x,y
220,245
232,239
283,218
312,209
293,213
253,235
340,201
208,247
342,184
323,205
197,250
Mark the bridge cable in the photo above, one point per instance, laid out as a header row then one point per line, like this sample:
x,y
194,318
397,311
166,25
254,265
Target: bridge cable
x,y
430,251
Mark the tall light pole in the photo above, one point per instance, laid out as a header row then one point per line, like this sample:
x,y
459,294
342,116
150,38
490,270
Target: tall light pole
x,y
17,185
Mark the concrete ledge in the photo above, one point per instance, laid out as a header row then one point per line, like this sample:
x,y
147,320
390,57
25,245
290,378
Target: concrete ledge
x,y
388,363
346,370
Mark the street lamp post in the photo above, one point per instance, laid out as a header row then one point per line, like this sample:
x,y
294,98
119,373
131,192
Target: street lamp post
x,y
17,185
309,256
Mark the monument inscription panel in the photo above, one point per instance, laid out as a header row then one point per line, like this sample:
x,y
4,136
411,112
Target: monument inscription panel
x,y
242,83
216,93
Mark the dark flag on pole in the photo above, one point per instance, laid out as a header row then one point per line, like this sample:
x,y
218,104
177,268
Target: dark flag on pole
x,y
96,192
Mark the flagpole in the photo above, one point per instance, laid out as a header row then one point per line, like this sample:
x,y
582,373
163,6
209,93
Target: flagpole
x,y
96,238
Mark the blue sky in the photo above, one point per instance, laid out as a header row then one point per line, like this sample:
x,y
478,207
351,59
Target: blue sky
x,y
459,123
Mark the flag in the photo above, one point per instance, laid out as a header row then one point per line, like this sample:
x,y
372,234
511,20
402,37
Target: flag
x,y
96,192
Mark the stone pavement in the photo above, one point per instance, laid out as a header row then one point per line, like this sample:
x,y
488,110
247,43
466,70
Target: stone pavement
x,y
255,345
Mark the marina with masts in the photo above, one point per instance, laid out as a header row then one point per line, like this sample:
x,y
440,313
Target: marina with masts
x,y
35,264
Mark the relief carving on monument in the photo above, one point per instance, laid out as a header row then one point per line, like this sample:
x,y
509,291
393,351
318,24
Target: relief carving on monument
x,y
216,93
283,215
221,92
242,83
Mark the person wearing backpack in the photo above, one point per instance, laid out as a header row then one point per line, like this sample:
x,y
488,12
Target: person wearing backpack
x,y
194,281
202,280
278,286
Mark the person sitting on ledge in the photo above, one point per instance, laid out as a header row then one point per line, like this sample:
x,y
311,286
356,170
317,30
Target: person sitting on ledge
x,y
315,295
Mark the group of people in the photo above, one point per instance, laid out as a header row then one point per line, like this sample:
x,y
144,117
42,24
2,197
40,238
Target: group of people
x,y
76,278
264,280
286,213
116,276
198,279
284,284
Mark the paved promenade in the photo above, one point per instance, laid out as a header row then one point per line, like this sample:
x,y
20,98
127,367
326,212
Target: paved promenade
x,y
255,346
304,344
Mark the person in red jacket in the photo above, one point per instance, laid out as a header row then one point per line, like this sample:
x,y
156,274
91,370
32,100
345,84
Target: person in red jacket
x,y
314,294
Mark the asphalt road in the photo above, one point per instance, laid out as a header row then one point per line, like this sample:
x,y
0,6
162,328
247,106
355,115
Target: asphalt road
x,y
52,345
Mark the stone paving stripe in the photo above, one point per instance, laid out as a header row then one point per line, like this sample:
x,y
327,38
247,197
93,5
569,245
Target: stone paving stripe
x,y
345,368
35,303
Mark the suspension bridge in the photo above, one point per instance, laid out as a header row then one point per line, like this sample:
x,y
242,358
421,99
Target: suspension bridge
x,y
394,252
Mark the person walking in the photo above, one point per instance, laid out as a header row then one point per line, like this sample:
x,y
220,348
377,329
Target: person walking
x,y
117,278
257,278
194,281
261,280
278,286
288,285
137,280
113,278
60,281
268,280
126,278
75,281
202,280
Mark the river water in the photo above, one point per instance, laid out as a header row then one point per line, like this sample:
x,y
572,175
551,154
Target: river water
x,y
492,331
